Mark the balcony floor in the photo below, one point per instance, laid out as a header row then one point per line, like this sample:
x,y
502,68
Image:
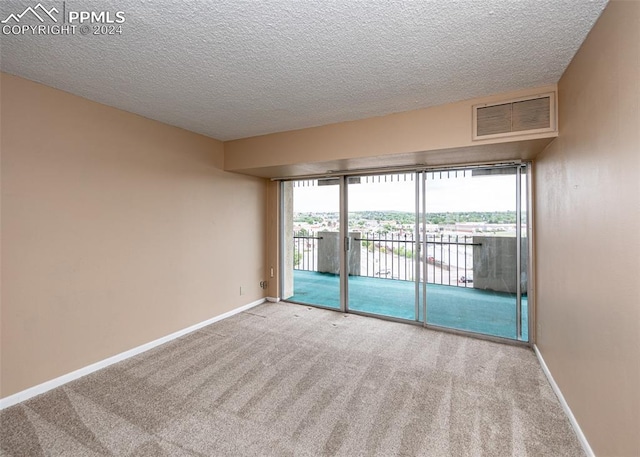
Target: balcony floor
x,y
462,308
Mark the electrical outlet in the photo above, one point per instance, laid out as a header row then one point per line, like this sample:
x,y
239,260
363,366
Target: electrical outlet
x,y
272,272
241,291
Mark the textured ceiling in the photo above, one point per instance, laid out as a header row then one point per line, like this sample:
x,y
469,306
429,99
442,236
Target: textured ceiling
x,y
236,68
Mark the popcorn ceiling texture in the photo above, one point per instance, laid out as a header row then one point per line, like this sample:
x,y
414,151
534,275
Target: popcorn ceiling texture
x,y
232,69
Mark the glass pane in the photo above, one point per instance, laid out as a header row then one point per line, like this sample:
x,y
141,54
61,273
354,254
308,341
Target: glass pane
x,y
382,260
524,263
311,253
471,250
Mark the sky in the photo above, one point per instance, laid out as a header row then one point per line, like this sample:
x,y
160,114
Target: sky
x,y
453,194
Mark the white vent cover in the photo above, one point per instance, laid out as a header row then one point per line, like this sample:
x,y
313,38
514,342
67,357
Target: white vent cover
x,y
515,117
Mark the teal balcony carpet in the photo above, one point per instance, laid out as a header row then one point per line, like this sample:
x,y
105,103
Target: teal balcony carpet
x,y
463,308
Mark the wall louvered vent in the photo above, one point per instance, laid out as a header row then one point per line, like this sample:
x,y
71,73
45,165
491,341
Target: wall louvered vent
x,y
516,117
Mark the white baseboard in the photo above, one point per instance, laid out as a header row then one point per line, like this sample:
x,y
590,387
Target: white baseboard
x,y
52,384
273,299
565,406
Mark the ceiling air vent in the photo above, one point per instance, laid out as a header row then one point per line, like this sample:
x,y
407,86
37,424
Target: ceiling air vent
x,y
515,117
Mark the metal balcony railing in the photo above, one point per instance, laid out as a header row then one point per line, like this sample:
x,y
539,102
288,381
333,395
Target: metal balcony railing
x,y
449,258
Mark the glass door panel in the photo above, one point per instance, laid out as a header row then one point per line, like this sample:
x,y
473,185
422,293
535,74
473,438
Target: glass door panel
x,y
382,255
524,253
470,259
311,242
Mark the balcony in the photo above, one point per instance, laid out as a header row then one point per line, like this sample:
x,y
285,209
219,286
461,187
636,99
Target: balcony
x,y
471,280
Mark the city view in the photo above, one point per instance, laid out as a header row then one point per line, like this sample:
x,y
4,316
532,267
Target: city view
x,y
387,246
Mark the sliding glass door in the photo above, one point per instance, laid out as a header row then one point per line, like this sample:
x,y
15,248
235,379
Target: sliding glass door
x,y
472,250
382,224
444,248
312,250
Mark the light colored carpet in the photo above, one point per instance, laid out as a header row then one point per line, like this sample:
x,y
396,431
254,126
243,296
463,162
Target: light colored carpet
x,y
285,380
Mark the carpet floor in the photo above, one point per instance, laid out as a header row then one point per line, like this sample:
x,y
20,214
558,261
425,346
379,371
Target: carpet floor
x,y
292,380
462,308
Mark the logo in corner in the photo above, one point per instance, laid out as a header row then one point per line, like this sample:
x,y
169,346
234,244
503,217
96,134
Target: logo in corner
x,y
39,20
34,11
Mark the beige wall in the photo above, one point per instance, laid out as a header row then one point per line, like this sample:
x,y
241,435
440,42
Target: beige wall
x,y
273,240
436,135
588,236
116,230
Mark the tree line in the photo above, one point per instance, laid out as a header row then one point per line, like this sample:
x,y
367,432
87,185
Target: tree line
x,y
402,218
